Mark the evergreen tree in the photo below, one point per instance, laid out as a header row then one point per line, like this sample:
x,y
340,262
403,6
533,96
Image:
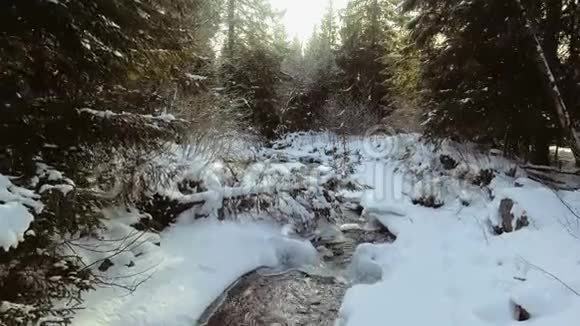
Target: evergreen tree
x,y
79,78
368,34
280,43
252,60
321,48
294,62
483,69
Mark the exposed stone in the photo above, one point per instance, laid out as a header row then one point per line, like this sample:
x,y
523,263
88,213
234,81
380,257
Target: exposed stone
x,y
448,162
522,222
520,313
324,252
105,265
428,201
507,218
505,213
484,178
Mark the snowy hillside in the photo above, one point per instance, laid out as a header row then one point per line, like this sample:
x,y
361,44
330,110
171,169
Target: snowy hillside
x,y
477,243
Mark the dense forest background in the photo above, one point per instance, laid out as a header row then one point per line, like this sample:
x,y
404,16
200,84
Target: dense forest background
x,y
102,84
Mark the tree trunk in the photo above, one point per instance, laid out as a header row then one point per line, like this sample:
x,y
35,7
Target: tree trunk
x,y
541,150
554,92
552,32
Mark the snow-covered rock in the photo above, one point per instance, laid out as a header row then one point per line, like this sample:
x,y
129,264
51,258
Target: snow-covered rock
x,y
364,267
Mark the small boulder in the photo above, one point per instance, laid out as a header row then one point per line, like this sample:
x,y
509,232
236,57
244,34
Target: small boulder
x,y
448,162
484,178
507,217
520,313
428,201
105,265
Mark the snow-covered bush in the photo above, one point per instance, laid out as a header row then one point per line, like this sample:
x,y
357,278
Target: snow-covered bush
x,y
348,117
442,171
15,217
33,270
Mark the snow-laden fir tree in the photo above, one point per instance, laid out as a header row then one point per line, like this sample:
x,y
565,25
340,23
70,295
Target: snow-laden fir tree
x,y
484,70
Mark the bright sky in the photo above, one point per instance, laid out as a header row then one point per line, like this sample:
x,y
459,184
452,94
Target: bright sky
x,y
302,15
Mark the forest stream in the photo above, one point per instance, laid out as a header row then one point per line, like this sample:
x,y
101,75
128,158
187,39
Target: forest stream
x,y
305,296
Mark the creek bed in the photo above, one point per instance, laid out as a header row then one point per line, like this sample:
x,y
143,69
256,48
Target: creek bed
x,y
310,296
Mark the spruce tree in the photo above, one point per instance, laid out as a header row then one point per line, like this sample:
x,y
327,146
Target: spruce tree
x,y
367,35
483,73
320,52
251,61
79,78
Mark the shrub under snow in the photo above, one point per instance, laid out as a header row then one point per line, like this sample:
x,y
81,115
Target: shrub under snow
x,y
15,217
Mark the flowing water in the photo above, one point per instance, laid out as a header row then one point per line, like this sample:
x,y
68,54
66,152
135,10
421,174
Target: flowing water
x,y
309,296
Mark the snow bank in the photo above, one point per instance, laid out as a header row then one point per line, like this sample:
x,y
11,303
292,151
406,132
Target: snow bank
x,y
194,265
14,221
15,217
543,206
446,266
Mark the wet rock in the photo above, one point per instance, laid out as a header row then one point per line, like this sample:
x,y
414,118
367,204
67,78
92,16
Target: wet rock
x,y
324,252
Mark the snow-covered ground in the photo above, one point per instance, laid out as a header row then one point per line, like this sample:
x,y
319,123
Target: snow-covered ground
x,y
191,268
447,266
